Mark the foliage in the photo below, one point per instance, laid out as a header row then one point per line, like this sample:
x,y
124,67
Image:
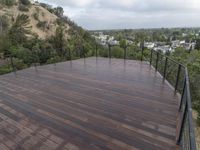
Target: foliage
x,y
25,2
117,52
123,43
59,41
8,2
59,22
36,16
192,61
5,69
42,25
4,24
27,50
22,7
23,54
58,11
19,30
133,52
197,44
4,43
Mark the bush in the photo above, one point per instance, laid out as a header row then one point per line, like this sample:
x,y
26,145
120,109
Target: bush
x,y
4,22
25,55
5,69
36,16
42,24
59,22
8,2
23,8
117,52
18,65
54,59
25,2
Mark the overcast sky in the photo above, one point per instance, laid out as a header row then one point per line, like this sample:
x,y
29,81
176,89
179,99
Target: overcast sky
x,y
130,14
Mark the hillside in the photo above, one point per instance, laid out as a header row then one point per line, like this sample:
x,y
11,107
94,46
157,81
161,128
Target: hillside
x,y
37,33
37,15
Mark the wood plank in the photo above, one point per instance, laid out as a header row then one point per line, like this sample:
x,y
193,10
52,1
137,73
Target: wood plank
x,y
97,104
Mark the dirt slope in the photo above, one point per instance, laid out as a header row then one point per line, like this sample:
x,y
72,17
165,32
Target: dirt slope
x,y
42,14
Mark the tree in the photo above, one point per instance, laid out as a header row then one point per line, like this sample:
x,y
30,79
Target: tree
x,y
8,2
58,11
117,52
4,43
123,44
20,29
59,41
23,54
197,44
25,2
3,24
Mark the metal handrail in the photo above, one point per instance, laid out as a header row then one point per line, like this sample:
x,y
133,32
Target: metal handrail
x,y
185,108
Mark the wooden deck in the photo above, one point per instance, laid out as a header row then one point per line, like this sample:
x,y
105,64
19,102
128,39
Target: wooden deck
x,y
87,105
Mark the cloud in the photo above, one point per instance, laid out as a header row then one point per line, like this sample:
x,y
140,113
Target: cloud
x,y
98,14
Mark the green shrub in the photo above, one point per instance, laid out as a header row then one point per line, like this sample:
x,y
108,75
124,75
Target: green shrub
x,y
23,54
42,24
23,8
36,16
8,2
4,22
19,64
25,2
117,52
59,22
5,69
54,59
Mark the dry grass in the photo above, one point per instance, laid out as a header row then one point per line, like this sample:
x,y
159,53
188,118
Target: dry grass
x,y
43,15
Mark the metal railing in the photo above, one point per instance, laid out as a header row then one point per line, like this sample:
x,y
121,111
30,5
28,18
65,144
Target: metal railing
x,y
71,55
177,75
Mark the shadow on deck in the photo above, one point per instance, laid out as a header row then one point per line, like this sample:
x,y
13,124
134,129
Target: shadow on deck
x,y
88,104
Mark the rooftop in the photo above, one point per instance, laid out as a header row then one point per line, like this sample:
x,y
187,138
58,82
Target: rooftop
x,y
88,104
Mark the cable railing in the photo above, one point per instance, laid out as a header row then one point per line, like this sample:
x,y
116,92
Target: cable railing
x,y
176,74
13,64
173,72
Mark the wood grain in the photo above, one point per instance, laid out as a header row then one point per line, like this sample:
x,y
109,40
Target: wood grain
x,y
87,104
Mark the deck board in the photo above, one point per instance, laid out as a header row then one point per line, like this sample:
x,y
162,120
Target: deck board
x,y
87,104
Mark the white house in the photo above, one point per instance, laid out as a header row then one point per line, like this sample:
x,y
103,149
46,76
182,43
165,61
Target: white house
x,y
149,45
164,49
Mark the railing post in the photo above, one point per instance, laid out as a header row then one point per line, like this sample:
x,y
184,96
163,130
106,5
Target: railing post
x,y
83,52
182,124
177,78
12,64
190,118
80,52
165,69
142,48
109,51
157,58
96,50
151,57
182,95
125,48
70,56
